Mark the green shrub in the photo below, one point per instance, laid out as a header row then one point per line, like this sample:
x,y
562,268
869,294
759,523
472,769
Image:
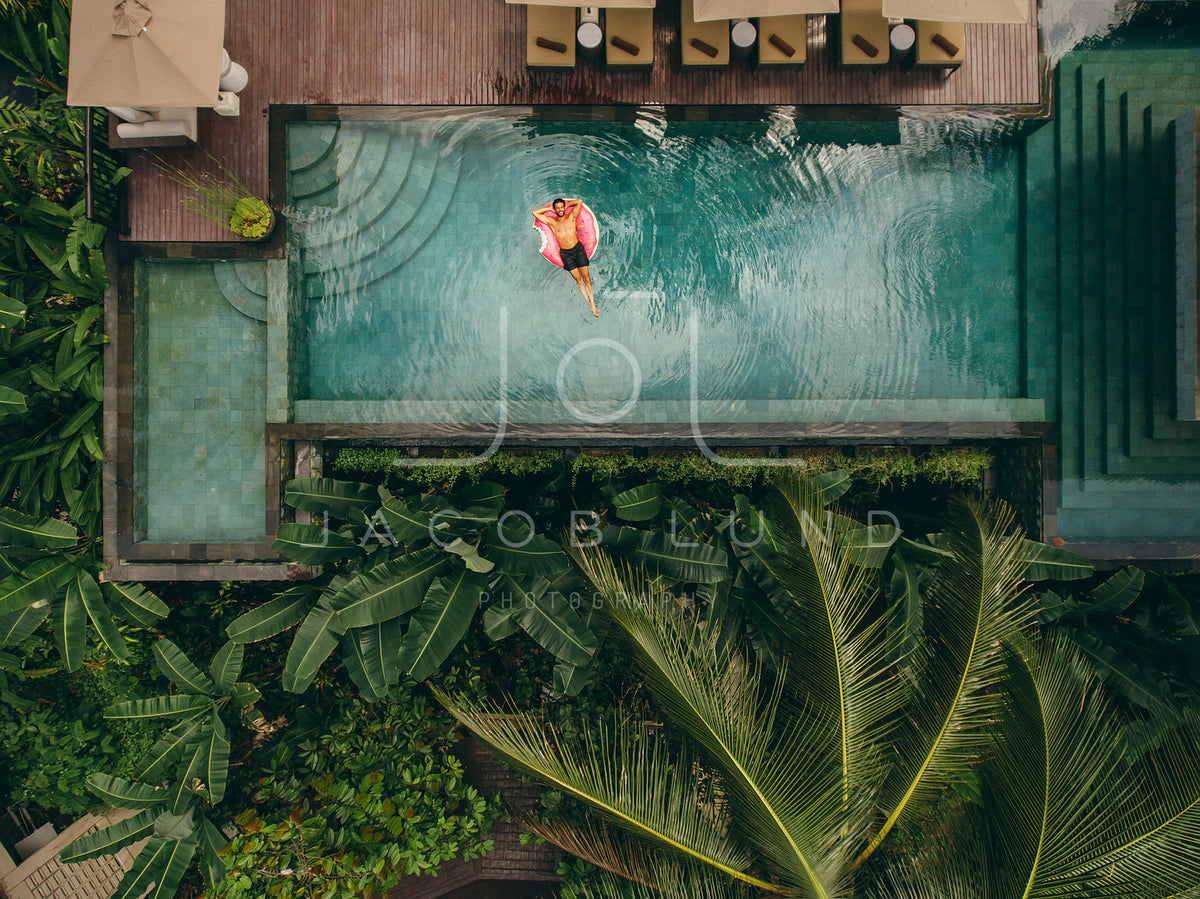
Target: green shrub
x,y
882,466
374,795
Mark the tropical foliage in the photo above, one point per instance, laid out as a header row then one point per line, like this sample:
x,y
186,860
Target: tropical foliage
x,y
1139,632
795,773
52,281
413,574
191,759
373,794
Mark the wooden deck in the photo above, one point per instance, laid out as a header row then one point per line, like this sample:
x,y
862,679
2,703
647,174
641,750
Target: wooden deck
x,y
471,52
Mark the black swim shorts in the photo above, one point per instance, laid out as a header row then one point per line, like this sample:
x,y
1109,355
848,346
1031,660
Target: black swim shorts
x,y
576,257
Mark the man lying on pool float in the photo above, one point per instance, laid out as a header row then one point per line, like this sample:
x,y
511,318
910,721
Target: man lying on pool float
x,y
574,257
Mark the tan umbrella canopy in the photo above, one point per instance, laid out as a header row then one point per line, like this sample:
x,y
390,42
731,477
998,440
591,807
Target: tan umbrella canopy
x,y
610,4
151,53
710,10
1002,11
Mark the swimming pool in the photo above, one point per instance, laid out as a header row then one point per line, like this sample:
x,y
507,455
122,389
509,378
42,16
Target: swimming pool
x,y
821,271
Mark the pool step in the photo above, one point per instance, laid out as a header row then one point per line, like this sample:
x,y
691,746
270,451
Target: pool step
x,y
244,284
309,144
1099,323
371,232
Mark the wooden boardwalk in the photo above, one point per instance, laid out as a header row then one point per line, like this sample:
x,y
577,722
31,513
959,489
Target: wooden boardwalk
x,y
471,52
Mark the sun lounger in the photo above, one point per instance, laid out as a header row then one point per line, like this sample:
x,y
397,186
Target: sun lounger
x,y
862,34
629,37
940,45
703,44
782,40
550,37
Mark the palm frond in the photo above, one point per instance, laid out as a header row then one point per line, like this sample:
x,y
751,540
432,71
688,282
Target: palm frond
x,y
626,863
1159,848
1058,793
629,778
975,604
838,659
785,792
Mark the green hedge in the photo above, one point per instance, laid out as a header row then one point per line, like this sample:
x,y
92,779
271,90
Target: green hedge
x,y
961,466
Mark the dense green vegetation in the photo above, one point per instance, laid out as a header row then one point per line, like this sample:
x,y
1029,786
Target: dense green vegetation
x,y
818,706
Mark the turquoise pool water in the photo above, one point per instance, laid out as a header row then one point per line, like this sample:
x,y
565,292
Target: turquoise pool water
x,y
826,268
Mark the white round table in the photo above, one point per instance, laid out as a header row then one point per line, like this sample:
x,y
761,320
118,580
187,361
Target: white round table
x,y
743,34
903,37
589,35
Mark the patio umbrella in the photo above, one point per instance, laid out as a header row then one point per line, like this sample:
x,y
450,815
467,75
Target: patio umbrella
x,y
145,53
1001,11
608,4
710,10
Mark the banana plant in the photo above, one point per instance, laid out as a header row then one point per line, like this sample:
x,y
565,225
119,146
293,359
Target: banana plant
x,y
41,576
179,781
409,576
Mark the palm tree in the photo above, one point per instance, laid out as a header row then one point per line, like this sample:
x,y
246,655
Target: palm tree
x,y
789,780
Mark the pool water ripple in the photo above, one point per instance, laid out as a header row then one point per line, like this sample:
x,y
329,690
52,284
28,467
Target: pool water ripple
x,y
822,264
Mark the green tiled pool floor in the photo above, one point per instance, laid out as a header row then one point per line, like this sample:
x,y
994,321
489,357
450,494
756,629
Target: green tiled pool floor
x,y
201,377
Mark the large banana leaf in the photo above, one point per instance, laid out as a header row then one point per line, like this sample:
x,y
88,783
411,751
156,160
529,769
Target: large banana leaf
x,y
226,665
519,552
110,839
271,618
315,640
370,653
38,581
19,529
975,605
1053,563
93,602
409,525
547,616
160,707
389,590
485,494
312,544
17,626
1116,593
341,499
178,668
70,627
441,621
639,503
161,863
212,841
215,760
120,793
170,748
136,603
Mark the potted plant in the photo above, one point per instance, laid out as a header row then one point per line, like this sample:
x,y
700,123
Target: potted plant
x,y
223,198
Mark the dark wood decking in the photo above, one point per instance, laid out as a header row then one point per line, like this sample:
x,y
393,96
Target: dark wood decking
x,y
471,52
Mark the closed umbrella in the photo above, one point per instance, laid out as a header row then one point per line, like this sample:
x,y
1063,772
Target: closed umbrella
x,y
711,10
996,11
145,53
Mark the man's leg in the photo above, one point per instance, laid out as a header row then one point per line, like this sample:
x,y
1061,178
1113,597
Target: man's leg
x,y
577,274
587,282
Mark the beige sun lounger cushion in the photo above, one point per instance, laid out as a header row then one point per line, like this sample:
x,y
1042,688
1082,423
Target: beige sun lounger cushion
x,y
554,25
935,40
862,29
790,31
631,27
714,34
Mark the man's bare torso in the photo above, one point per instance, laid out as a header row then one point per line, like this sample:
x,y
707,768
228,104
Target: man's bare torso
x,y
564,228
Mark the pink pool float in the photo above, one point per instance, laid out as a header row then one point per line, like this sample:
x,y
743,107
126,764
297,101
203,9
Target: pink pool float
x,y
586,226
